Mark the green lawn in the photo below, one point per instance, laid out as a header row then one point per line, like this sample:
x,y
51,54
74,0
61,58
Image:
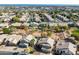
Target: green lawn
x,y
75,32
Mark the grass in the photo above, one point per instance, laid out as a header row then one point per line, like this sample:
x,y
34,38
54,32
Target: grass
x,y
75,32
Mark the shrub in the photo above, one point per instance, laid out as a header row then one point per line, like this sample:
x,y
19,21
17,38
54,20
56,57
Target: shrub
x,y
6,30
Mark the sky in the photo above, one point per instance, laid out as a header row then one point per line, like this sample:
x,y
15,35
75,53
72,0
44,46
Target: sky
x,y
75,2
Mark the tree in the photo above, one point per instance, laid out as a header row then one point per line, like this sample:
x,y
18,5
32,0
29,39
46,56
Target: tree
x,y
32,43
43,34
19,16
49,33
65,27
26,28
1,14
15,19
29,50
57,29
75,33
6,30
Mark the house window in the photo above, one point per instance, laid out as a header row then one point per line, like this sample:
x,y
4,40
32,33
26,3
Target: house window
x,y
57,51
63,51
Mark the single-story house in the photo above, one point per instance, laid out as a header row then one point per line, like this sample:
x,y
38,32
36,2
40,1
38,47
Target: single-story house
x,y
65,48
2,25
12,39
53,24
26,24
16,24
30,37
10,50
23,19
63,24
77,49
26,41
77,23
3,38
45,44
48,17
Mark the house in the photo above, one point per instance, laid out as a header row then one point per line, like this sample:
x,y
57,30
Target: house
x,y
64,19
10,50
23,18
77,23
49,17
70,39
53,24
71,24
26,24
3,38
65,48
43,24
77,50
45,44
7,19
64,24
37,18
12,39
2,25
30,37
16,24
60,17
24,43
33,24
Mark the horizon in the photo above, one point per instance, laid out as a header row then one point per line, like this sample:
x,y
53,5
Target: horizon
x,y
71,5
